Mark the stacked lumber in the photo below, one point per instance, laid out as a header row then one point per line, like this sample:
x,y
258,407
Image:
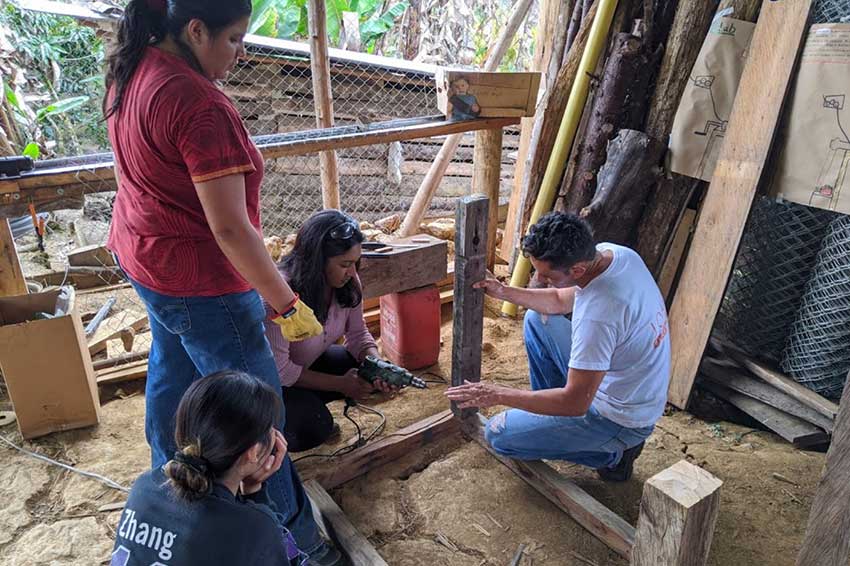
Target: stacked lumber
x,y
800,416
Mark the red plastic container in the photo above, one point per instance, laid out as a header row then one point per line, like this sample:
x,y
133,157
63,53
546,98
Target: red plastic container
x,y
410,327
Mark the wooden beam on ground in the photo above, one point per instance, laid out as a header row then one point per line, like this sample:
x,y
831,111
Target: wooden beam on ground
x,y
741,382
795,430
486,179
404,268
112,327
120,362
338,528
600,521
827,540
470,267
387,449
81,277
678,512
12,280
126,372
785,384
752,125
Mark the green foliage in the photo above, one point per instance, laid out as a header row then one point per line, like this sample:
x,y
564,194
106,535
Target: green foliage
x,y
32,150
287,19
63,62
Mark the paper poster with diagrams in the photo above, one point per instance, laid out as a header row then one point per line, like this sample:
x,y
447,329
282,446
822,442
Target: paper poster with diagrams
x,y
814,160
703,114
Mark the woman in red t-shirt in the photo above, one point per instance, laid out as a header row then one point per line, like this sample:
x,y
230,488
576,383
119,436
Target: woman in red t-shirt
x,y
186,222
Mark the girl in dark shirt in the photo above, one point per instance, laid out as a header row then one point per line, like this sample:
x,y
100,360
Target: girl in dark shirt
x,y
208,505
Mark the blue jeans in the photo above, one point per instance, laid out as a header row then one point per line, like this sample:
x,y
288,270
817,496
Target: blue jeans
x,y
591,439
198,336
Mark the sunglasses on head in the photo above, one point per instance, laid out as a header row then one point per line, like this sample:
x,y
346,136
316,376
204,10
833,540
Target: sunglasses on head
x,y
344,230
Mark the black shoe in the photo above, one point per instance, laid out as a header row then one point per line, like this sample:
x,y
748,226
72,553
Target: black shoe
x,y
326,555
624,468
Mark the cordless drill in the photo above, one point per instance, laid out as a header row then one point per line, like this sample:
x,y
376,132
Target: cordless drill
x,y
373,368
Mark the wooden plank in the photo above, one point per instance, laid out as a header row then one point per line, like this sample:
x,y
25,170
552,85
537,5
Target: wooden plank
x,y
127,372
827,540
470,267
12,280
787,385
752,125
600,521
736,380
120,362
322,97
678,511
338,528
111,328
81,277
103,289
385,450
91,256
486,180
404,268
677,252
795,430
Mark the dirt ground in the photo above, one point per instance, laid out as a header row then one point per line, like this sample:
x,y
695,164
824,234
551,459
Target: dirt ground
x,y
452,489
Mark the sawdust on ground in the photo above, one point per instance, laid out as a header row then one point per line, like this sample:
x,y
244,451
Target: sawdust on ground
x,y
452,491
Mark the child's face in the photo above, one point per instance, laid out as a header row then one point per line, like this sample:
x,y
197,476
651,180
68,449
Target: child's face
x,y
461,86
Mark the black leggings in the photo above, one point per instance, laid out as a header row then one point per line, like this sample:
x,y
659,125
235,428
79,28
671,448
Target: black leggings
x,y
308,421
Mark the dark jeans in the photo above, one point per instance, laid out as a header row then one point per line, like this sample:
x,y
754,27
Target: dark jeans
x,y
197,336
309,423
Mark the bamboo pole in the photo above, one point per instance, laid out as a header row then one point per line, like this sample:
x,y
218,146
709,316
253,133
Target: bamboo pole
x,y
322,97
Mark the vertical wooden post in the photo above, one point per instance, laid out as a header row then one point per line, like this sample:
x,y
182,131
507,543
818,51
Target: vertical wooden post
x,y
470,260
322,97
827,541
486,180
677,515
12,280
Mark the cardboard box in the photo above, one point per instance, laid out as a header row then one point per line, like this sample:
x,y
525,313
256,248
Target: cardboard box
x,y
46,365
463,95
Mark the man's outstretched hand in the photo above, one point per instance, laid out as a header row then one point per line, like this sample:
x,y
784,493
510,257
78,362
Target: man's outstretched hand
x,y
476,395
491,286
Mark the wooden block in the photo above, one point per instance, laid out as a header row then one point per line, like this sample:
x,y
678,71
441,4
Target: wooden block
x,y
112,327
470,267
678,512
497,94
795,430
338,528
385,450
600,521
743,383
404,268
752,125
827,540
91,256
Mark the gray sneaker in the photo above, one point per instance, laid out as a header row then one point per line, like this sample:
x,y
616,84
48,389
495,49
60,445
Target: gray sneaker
x,y
327,555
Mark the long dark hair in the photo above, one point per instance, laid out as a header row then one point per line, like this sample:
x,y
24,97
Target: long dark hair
x,y
218,419
305,264
146,22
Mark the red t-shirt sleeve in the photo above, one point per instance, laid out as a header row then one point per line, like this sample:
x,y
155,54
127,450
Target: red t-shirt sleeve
x,y
212,142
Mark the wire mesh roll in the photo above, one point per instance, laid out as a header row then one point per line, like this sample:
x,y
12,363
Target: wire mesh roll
x,y
776,258
818,352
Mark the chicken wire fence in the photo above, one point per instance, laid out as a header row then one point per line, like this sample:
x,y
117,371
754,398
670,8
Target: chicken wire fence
x,y
274,94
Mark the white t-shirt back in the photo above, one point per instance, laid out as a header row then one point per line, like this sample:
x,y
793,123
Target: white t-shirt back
x,y
620,327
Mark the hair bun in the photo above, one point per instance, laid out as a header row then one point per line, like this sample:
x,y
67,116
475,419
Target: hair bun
x,y
198,464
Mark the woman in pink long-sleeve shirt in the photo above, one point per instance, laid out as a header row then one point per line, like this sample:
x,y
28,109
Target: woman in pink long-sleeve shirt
x,y
322,269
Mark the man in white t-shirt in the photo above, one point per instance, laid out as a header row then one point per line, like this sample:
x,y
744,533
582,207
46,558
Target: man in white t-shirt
x,y
598,381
